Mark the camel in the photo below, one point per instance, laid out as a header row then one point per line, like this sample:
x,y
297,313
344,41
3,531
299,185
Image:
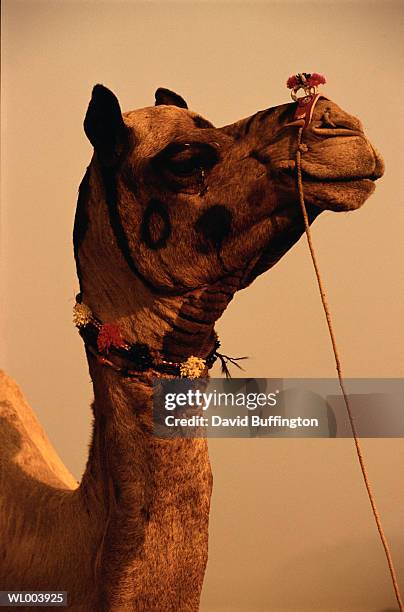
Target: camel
x,y
173,217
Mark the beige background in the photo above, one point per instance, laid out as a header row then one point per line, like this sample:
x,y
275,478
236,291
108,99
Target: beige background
x,y
291,527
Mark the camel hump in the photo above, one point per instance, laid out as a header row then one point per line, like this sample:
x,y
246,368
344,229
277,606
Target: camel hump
x,y
23,441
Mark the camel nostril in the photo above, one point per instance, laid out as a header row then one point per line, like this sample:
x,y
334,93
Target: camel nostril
x,y
326,119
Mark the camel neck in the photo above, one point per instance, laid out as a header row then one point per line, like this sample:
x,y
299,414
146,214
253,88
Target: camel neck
x,y
151,497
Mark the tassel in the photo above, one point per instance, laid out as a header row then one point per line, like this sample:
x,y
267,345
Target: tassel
x,y
109,335
82,315
224,359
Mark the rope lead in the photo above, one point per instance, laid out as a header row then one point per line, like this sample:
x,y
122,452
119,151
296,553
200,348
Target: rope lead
x,y
300,148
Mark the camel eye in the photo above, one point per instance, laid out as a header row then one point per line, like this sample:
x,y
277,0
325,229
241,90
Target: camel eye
x,y
185,160
184,163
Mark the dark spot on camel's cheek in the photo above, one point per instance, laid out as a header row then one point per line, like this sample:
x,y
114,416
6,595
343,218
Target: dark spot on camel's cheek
x,y
213,226
156,227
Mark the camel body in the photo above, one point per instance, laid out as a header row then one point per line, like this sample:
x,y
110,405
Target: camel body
x,y
38,495
173,217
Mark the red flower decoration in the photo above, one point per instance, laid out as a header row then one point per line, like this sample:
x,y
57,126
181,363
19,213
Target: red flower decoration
x,y
292,82
109,335
312,80
316,79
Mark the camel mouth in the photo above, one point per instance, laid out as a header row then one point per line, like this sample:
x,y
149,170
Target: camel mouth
x,y
340,180
336,193
309,177
338,187
347,188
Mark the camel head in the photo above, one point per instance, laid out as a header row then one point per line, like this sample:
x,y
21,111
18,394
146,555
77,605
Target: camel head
x,y
186,208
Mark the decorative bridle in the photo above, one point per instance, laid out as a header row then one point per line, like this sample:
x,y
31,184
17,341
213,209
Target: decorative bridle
x,y
304,111
105,341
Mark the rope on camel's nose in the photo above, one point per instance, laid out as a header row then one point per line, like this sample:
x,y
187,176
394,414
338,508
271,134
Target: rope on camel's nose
x,y
339,371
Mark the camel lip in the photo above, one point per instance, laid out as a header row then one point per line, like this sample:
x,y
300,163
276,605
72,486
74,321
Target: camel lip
x,y
331,193
338,181
307,177
372,170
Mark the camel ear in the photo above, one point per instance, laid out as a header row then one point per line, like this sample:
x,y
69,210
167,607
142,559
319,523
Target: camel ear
x,y
168,97
104,125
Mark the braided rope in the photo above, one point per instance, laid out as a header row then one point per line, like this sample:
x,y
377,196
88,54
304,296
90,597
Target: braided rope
x,y
340,377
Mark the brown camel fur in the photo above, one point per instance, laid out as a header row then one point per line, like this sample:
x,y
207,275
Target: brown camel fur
x,y
173,217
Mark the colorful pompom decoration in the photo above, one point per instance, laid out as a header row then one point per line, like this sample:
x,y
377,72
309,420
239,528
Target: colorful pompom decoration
x,y
193,367
100,338
109,335
305,79
82,315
